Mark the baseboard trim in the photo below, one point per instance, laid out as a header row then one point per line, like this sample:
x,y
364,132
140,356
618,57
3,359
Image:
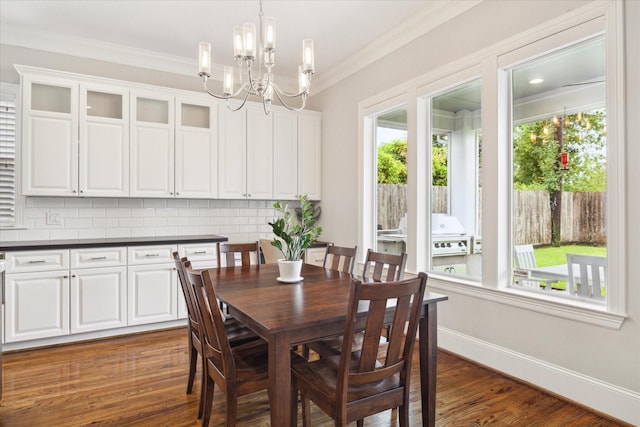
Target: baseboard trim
x,y
617,402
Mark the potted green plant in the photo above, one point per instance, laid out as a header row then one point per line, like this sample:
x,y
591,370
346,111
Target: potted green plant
x,y
293,236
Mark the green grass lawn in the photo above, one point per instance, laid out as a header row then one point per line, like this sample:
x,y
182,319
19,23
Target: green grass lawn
x,y
547,256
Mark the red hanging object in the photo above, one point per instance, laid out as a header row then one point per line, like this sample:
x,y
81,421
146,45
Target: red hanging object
x,y
564,159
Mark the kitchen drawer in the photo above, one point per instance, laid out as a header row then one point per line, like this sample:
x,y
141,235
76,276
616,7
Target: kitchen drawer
x,y
98,257
34,261
141,255
315,256
203,255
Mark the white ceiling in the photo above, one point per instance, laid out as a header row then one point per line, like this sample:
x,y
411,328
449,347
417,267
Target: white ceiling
x,y
164,35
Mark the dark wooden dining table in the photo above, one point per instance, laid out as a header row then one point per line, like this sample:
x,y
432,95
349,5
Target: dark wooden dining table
x,y
287,314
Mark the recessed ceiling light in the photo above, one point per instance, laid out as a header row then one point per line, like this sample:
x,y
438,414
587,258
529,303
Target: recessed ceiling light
x,y
536,81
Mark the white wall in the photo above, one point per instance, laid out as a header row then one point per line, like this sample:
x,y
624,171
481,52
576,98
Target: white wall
x,y
594,365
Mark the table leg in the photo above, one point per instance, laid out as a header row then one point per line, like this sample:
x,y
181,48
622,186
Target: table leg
x,y
280,380
428,344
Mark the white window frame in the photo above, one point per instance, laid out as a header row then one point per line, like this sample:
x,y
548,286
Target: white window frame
x,y
496,130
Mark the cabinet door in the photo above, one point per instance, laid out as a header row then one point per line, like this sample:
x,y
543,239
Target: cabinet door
x,y
49,137
285,155
98,299
310,155
152,146
104,141
196,153
152,291
259,154
37,305
232,154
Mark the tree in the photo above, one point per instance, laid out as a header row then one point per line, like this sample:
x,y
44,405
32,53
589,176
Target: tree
x,y
537,151
392,162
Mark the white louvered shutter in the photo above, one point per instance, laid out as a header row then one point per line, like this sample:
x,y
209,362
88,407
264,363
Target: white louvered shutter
x,y
7,163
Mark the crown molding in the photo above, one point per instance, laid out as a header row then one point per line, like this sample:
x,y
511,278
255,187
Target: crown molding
x,y
432,16
435,14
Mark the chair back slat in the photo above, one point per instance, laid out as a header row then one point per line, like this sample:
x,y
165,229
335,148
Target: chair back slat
x,y
214,333
523,256
407,296
592,275
393,264
340,258
249,253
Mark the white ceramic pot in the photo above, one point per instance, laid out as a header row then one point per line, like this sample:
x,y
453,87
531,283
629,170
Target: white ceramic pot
x,y
289,271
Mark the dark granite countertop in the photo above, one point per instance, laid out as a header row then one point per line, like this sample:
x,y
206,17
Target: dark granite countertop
x,y
31,245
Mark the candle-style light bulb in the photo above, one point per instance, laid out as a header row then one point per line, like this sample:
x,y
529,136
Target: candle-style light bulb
x,y
204,58
269,33
238,50
307,55
303,80
249,39
228,80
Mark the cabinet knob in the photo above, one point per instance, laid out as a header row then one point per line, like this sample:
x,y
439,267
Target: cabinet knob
x,y
74,191
81,191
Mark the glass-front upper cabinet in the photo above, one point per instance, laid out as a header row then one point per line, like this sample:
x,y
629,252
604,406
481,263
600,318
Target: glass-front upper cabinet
x,y
456,190
49,136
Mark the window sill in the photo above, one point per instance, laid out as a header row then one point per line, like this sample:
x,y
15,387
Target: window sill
x,y
580,311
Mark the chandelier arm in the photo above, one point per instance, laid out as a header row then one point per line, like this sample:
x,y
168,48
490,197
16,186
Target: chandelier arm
x,y
206,89
285,105
244,101
289,95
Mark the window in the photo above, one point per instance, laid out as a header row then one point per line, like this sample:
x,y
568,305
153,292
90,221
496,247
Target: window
x,y
7,163
456,234
559,137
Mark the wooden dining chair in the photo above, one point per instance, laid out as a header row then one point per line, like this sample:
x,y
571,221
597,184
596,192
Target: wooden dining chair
x,y
354,385
270,253
382,266
249,253
340,258
236,332
238,370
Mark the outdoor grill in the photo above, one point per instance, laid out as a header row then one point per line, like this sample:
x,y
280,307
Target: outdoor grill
x,y
448,237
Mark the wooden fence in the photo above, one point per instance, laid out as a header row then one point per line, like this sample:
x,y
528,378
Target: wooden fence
x,y
583,214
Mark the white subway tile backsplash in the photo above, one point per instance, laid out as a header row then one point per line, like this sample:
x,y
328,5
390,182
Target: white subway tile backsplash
x,y
92,213
63,234
47,202
239,220
104,203
91,233
130,203
77,222
130,222
143,212
198,204
77,203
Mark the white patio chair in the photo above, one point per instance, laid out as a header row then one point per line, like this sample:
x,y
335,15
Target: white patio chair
x,y
586,275
524,260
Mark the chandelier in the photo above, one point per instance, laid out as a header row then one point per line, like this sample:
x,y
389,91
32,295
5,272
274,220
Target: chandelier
x,y
261,83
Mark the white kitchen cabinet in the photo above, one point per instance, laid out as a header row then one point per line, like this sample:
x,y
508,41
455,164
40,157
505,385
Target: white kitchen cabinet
x,y
201,255
49,136
310,154
36,295
196,148
104,141
285,155
98,294
75,138
152,145
246,154
152,282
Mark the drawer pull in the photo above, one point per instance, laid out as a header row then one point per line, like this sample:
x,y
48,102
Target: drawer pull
x,y
37,261
199,252
97,258
151,255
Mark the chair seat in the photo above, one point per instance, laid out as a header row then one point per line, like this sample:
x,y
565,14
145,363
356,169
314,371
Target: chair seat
x,y
238,333
321,375
252,359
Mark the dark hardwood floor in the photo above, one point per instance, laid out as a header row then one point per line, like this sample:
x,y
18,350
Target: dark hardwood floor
x,y
140,380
